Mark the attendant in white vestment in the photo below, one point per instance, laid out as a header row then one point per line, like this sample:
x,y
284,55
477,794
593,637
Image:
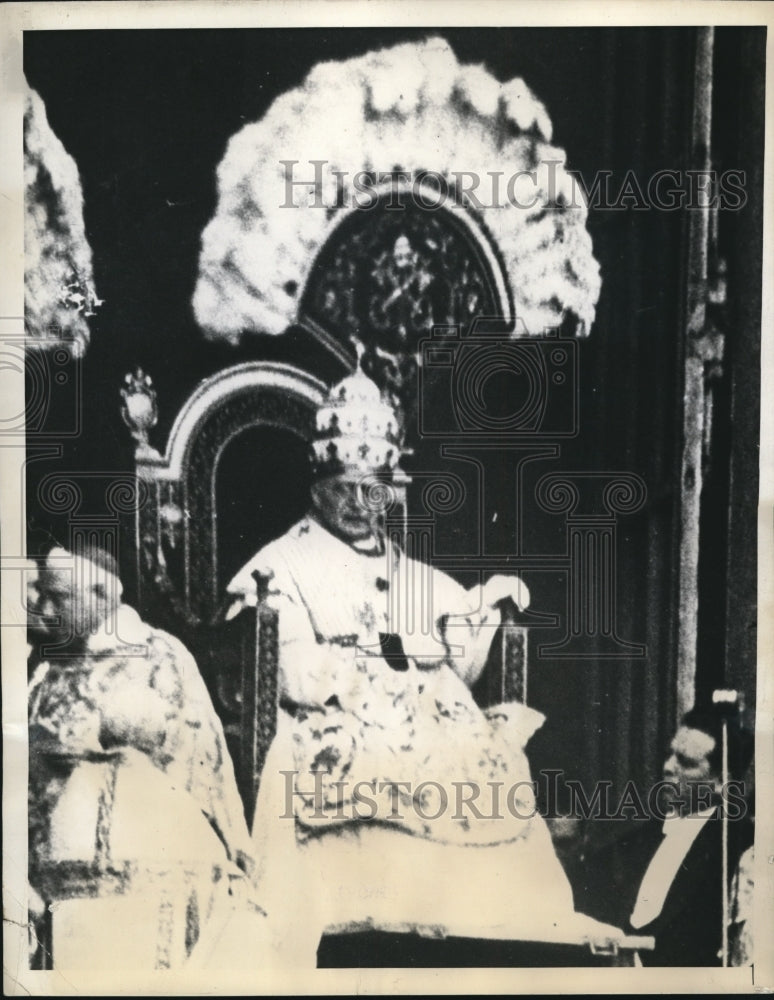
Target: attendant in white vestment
x,y
133,797
378,795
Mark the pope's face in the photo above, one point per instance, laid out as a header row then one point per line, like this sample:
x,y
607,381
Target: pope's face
x,y
340,505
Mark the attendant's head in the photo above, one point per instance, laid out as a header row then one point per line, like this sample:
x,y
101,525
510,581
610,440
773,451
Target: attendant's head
x,y
354,454
76,594
694,760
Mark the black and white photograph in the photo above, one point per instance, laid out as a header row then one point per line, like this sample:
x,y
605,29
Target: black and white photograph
x,y
387,498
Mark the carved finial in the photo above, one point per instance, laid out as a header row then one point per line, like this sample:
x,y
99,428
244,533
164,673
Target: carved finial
x,y
139,410
262,581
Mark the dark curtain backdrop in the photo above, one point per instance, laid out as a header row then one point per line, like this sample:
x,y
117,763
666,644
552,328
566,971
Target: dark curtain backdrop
x,y
147,115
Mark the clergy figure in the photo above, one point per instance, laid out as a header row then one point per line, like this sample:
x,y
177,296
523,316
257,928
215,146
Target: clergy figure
x,y
135,817
387,788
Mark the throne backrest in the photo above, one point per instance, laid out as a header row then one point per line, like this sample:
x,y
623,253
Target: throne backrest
x,y
176,559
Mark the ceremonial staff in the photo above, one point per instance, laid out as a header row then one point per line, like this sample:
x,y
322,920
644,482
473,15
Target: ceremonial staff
x,y
728,704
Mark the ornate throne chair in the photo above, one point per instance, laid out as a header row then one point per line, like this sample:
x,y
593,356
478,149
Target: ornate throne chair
x,y
179,583
178,574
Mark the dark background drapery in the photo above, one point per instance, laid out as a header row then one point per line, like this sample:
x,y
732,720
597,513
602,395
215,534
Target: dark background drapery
x,y
147,115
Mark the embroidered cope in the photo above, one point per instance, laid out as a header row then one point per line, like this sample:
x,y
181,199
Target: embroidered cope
x,y
137,687
376,655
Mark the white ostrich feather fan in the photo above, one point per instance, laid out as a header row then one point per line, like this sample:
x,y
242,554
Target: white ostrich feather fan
x,y
58,280
413,107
